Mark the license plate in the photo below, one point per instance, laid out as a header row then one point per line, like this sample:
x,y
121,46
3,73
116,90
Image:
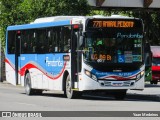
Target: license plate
x,y
117,84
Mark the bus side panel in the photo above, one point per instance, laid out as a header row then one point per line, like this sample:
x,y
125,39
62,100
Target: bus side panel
x,y
56,66
41,82
26,62
35,65
10,69
46,70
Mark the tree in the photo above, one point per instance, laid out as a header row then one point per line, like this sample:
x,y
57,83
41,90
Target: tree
x,y
15,12
10,15
45,8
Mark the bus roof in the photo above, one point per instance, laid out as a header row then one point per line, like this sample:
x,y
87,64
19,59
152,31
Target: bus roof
x,y
155,51
38,25
60,18
57,18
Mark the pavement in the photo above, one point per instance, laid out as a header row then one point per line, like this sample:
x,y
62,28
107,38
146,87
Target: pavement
x,y
151,92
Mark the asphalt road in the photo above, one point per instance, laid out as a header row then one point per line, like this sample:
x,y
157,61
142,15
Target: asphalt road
x,y
13,98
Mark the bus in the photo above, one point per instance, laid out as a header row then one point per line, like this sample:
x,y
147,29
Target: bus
x,y
76,54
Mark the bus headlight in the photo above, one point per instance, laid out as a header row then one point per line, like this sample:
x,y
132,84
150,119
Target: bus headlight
x,y
142,73
89,74
139,75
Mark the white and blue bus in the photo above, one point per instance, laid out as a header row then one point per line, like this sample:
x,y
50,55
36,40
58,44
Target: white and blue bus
x,y
76,54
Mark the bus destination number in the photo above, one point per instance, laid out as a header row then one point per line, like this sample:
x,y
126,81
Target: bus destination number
x,y
101,57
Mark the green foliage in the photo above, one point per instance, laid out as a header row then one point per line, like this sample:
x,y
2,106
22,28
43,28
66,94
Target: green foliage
x,y
9,16
45,8
100,12
14,12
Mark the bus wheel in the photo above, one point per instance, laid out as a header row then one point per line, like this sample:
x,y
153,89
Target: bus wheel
x,y
28,89
120,95
155,82
69,93
151,82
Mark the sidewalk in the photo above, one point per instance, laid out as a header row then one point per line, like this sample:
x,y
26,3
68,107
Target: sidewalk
x,y
150,92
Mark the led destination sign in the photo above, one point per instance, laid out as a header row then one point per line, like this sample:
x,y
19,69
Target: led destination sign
x,y
110,23
119,24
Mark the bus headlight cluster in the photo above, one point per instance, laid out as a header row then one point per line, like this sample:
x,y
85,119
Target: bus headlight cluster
x,y
140,75
89,74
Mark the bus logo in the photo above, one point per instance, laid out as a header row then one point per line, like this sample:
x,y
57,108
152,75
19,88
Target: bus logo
x,y
54,62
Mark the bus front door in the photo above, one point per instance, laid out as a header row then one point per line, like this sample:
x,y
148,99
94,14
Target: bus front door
x,y
75,59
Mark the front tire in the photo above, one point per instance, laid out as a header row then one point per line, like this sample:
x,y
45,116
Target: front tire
x,y
69,92
154,82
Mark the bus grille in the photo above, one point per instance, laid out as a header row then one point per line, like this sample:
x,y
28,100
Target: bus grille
x,y
109,84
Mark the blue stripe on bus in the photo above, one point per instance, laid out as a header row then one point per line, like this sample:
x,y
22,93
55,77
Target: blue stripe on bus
x,y
39,25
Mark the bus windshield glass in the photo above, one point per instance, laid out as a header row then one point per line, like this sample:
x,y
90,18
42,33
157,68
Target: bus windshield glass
x,y
101,48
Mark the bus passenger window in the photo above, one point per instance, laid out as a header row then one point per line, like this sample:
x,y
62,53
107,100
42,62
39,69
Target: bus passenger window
x,y
34,49
66,38
67,46
11,42
50,49
25,48
56,49
41,41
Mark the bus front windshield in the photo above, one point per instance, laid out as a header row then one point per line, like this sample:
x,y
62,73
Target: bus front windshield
x,y
99,48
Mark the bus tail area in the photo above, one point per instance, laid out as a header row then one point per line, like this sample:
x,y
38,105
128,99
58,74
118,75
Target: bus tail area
x,y
155,64
76,54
